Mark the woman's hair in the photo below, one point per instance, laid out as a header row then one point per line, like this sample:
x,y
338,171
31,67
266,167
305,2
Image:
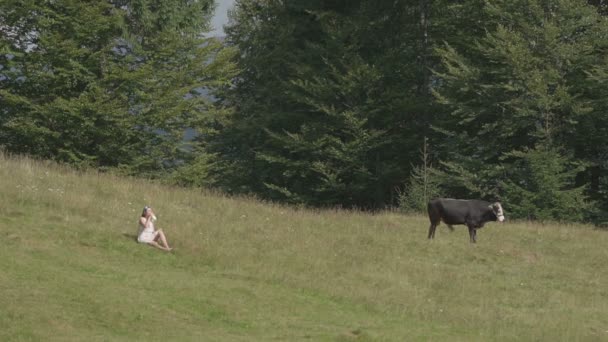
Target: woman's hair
x,y
143,213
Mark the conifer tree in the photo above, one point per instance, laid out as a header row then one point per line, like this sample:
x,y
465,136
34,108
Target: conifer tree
x,y
519,94
541,186
423,185
330,103
106,83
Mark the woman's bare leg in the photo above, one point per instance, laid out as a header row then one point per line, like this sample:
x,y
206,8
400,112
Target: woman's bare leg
x,y
163,239
155,244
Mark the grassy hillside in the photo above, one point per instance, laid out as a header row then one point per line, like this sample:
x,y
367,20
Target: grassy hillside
x,y
247,271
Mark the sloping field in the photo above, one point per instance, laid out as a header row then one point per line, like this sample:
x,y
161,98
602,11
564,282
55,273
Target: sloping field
x,y
242,270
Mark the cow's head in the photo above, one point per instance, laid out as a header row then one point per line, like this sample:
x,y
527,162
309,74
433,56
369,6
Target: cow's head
x,y
497,208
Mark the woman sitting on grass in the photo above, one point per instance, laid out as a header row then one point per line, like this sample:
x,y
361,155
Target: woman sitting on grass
x,y
147,234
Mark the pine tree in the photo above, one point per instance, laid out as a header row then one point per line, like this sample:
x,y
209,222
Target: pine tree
x,y
106,83
522,87
330,103
424,184
327,160
541,186
590,141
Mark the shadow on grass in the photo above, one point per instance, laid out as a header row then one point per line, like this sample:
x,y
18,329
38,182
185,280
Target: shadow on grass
x,y
130,236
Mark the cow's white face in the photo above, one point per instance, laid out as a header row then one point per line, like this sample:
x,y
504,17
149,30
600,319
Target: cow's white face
x,y
500,215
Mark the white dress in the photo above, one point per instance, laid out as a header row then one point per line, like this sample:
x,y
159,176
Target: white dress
x,y
146,234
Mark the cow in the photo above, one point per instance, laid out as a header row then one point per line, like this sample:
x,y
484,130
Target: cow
x,y
472,213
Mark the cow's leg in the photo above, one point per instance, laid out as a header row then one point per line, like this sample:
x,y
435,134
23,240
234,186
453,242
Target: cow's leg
x,y
432,228
450,226
434,217
472,233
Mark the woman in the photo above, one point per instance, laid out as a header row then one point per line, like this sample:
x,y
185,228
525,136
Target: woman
x,y
147,234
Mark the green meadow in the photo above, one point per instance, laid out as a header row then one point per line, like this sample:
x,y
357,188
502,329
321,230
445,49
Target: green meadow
x,y
243,270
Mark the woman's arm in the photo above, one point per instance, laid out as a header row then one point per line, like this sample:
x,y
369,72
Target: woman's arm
x,y
144,221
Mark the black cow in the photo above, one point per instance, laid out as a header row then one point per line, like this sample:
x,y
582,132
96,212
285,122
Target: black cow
x,y
472,213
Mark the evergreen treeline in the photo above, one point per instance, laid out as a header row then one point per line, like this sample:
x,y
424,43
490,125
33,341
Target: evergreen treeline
x,y
106,83
359,103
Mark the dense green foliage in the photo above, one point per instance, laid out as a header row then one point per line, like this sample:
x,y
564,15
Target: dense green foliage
x,y
324,103
328,105
423,185
523,85
334,99
540,185
104,83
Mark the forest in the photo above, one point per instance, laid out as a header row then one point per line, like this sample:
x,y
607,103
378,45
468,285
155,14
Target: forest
x,y
354,104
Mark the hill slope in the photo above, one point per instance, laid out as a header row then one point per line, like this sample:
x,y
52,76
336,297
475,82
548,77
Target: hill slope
x,y
243,270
